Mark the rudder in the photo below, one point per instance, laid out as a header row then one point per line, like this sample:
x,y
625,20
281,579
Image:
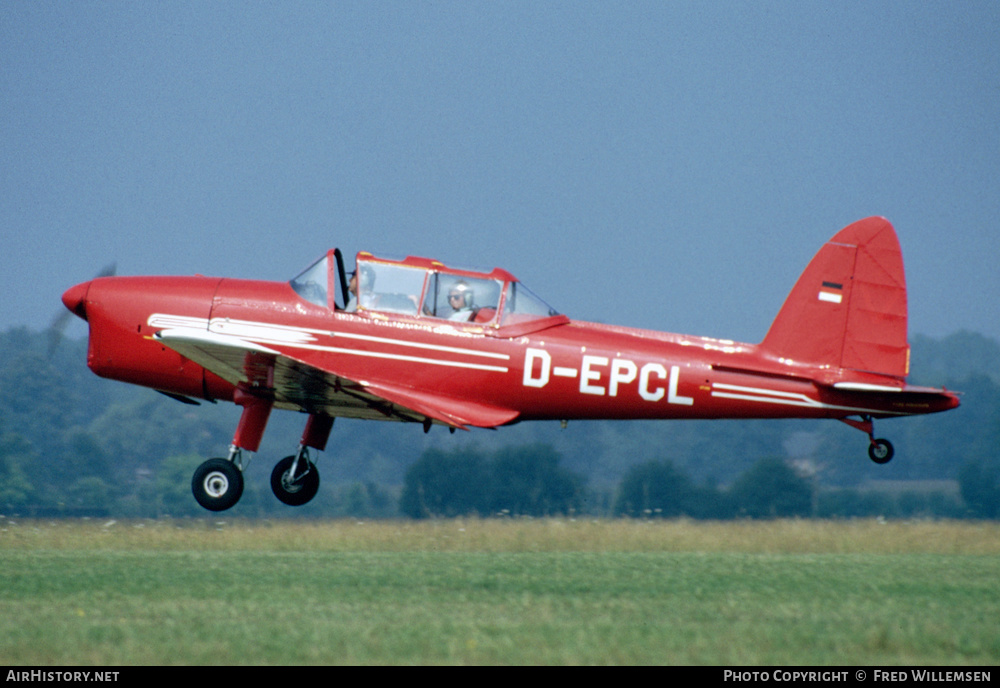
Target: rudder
x,y
848,309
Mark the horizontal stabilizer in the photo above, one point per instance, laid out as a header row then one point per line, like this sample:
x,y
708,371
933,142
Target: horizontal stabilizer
x,y
865,387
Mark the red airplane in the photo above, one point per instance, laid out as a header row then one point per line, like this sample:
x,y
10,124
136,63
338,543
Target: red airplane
x,y
416,341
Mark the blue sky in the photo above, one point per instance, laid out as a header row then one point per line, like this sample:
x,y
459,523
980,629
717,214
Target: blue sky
x,y
669,165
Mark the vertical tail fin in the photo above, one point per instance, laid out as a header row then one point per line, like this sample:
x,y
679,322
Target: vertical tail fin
x,y
848,308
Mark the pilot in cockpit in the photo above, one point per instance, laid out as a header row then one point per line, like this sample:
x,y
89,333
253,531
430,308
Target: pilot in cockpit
x,y
462,300
367,281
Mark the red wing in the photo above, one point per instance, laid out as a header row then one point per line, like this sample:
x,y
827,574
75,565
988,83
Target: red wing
x,y
454,412
295,384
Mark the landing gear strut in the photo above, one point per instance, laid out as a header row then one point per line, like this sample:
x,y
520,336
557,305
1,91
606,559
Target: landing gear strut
x,y
217,484
879,450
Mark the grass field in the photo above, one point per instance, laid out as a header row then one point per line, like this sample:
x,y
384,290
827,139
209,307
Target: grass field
x,y
499,592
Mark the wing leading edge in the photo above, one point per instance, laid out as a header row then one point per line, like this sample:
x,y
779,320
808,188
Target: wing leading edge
x,y
295,384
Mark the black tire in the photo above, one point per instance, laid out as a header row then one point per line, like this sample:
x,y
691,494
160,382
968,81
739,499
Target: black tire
x,y
217,484
294,492
880,451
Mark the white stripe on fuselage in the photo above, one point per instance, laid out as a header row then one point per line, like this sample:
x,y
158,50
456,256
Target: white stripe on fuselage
x,y
307,338
771,396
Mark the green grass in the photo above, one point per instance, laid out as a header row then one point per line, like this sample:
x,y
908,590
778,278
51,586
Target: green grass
x,y
499,592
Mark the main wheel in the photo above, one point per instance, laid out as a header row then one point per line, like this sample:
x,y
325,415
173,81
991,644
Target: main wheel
x,y
295,490
880,451
217,484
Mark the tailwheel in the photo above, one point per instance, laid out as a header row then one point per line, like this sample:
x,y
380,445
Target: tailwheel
x,y
295,479
880,451
217,484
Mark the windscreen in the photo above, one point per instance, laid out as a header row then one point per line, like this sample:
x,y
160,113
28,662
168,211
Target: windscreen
x,y
522,305
311,283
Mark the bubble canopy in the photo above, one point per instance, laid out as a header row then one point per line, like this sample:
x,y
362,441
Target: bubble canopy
x,y
422,289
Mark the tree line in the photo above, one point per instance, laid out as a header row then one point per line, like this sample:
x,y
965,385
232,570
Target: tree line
x,y
528,481
516,481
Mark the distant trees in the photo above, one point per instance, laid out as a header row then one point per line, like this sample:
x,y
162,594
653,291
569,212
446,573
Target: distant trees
x,y
16,490
656,488
528,480
770,489
445,484
980,490
519,481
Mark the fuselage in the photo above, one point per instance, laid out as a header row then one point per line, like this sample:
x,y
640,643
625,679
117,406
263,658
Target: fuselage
x,y
548,368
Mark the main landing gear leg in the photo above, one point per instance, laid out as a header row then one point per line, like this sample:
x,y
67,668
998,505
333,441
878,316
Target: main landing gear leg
x,y
879,450
218,483
295,479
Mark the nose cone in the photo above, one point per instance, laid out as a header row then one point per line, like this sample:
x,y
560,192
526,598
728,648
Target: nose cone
x,y
75,299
